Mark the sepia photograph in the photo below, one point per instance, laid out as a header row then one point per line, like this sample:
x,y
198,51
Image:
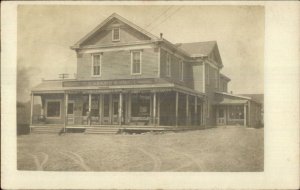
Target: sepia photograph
x,y
150,95
169,88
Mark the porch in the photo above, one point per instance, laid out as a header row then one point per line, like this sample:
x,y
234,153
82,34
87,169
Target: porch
x,y
149,109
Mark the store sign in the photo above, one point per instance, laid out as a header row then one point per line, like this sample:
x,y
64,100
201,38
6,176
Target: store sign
x,y
108,82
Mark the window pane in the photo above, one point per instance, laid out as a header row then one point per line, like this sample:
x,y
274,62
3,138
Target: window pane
x,y
70,108
106,106
140,105
96,64
116,34
136,62
53,109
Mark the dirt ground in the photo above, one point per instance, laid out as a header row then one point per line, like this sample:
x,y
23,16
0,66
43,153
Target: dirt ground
x,y
221,149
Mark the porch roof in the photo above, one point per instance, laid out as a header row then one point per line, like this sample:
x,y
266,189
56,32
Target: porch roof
x,y
56,86
227,101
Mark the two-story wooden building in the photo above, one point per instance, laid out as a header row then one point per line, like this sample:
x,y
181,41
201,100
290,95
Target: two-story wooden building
x,y
128,77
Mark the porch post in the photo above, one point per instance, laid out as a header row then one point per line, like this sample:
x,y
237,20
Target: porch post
x,y
154,108
187,110
245,115
176,110
66,110
158,110
120,108
90,109
129,107
195,117
100,108
31,110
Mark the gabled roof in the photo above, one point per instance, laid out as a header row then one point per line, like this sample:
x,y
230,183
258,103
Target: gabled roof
x,y
111,17
202,49
198,48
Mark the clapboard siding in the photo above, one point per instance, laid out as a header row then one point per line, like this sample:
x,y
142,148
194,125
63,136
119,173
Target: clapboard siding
x,y
198,77
127,34
117,65
175,74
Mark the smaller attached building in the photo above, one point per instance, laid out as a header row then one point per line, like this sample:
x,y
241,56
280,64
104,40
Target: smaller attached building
x,y
237,110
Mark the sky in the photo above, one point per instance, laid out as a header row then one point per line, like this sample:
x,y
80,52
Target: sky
x,y
46,32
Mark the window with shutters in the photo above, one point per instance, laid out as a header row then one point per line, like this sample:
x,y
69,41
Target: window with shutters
x,y
96,68
136,62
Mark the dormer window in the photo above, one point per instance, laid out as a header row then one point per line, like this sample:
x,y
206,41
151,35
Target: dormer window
x,y
116,34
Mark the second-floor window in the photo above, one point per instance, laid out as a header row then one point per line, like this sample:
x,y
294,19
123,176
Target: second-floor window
x,y
96,68
168,65
181,70
136,62
116,34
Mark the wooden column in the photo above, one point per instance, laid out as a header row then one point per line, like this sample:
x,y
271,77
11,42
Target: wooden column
x,y
90,109
66,110
187,109
100,108
110,108
176,109
154,108
31,110
195,114
129,108
245,115
158,110
120,108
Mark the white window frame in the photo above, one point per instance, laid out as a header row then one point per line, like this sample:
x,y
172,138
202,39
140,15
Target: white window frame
x,y
131,66
181,74
46,110
96,54
216,74
168,65
113,32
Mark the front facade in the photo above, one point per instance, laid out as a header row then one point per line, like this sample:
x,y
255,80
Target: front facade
x,y
129,77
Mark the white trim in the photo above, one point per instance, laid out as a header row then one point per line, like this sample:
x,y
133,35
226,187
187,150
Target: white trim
x,y
238,96
211,64
168,74
113,32
46,110
203,76
158,63
116,48
182,72
131,65
99,65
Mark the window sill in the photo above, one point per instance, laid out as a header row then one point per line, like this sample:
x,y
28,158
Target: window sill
x,y
136,73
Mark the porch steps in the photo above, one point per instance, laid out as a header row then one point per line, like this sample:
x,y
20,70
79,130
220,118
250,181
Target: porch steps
x,y
47,129
102,130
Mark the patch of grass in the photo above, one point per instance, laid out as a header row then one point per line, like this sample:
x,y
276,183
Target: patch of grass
x,y
218,149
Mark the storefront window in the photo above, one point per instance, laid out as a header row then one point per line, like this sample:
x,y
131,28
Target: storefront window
x,y
53,109
236,112
106,106
140,105
95,105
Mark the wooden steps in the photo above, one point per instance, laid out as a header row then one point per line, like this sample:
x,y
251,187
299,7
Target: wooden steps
x,y
47,129
102,130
